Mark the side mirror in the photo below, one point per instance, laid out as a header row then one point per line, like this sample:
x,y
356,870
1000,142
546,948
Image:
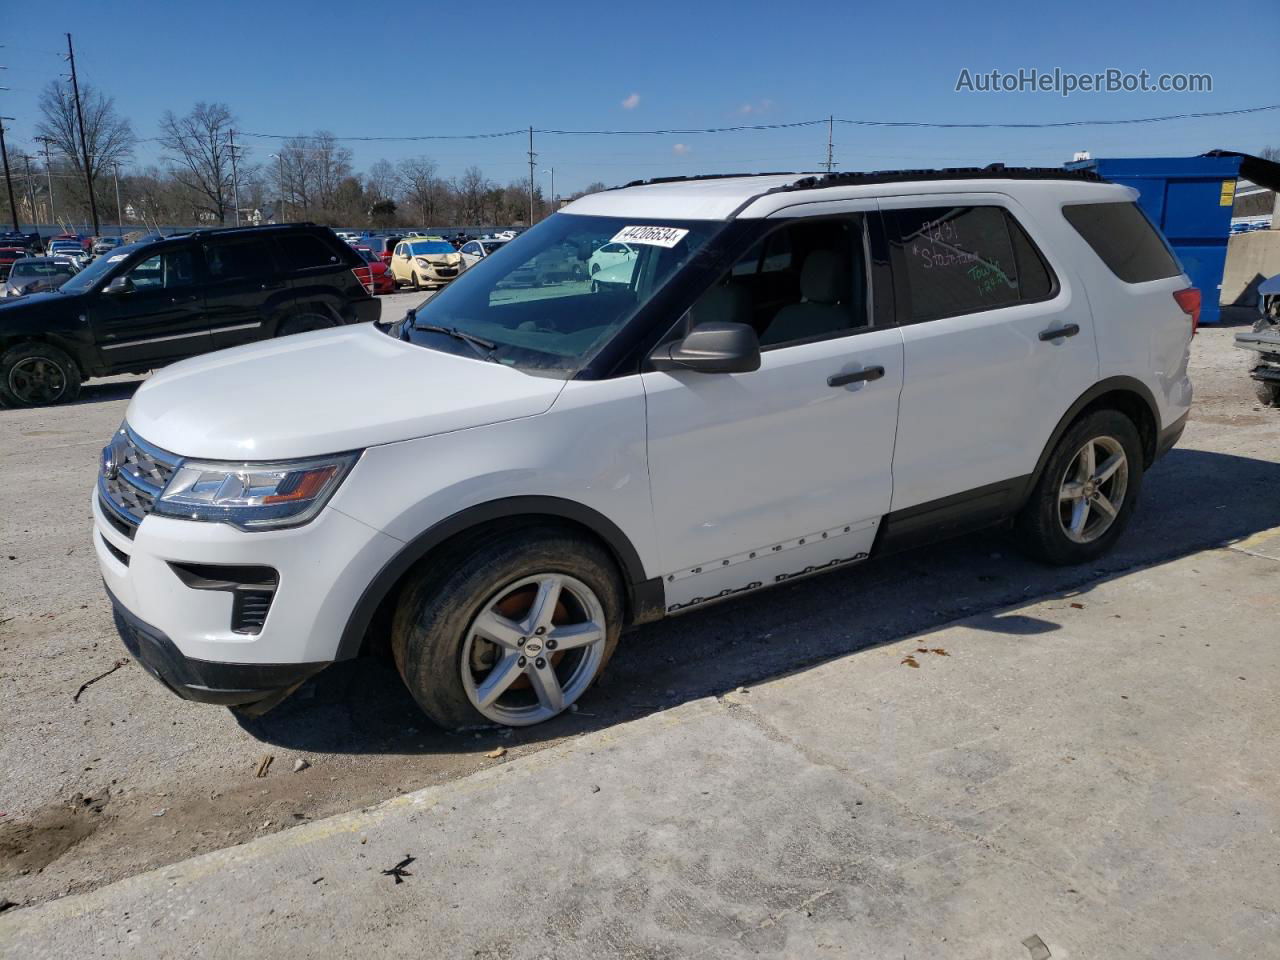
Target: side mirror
x,y
711,348
119,285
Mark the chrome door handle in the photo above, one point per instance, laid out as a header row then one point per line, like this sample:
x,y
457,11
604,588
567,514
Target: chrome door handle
x,y
858,376
1068,330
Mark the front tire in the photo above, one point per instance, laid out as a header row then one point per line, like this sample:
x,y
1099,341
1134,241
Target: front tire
x,y
417,283
1085,496
37,374
510,628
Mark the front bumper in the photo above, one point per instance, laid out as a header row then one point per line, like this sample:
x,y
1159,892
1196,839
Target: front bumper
x,y
228,684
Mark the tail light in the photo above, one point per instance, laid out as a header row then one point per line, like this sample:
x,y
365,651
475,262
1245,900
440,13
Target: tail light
x,y
1189,301
365,276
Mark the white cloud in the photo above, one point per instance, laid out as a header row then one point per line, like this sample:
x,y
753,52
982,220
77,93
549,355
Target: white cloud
x,y
760,106
681,149
631,102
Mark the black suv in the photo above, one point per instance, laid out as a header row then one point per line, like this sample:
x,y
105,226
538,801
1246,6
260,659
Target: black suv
x,y
148,304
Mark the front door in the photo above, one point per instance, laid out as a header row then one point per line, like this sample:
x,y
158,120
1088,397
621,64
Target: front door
x,y
158,317
758,478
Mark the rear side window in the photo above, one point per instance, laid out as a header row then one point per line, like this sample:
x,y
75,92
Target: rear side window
x,y
240,259
1124,239
950,261
300,251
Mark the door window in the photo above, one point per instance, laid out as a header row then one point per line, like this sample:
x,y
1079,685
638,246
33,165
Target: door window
x,y
300,251
164,271
806,281
240,259
953,261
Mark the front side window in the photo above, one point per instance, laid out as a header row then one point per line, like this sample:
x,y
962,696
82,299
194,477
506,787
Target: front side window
x,y
804,282
952,261
301,251
164,271
537,302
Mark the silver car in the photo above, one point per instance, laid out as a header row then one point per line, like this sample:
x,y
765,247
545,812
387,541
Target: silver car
x,y
37,275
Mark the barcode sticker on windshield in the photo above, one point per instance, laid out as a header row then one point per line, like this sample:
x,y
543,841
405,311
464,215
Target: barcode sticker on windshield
x,y
651,236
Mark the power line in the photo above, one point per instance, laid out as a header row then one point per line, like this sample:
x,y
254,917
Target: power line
x,y
742,128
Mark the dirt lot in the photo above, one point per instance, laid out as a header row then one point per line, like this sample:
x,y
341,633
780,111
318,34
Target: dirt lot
x,y
128,777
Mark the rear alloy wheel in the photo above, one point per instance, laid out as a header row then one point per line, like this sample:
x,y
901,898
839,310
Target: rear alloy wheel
x,y
511,628
1086,493
36,375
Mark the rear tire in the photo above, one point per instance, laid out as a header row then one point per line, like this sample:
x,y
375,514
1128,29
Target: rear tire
x,y
473,634
1086,494
36,374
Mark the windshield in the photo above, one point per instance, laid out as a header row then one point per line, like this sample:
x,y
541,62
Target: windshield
x,y
40,269
95,271
545,304
423,247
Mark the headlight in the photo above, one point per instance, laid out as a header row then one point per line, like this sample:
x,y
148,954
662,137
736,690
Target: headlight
x,y
254,496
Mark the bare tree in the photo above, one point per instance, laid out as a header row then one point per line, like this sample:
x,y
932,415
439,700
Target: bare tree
x,y
201,154
382,181
472,189
108,137
1270,153
331,167
421,186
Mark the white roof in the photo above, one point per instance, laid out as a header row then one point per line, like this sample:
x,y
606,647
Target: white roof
x,y
751,197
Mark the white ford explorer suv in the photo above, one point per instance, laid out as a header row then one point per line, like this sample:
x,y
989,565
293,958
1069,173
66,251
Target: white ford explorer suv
x,y
799,373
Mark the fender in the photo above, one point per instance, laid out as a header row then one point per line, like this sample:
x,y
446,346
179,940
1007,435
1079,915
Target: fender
x,y
645,595
1109,385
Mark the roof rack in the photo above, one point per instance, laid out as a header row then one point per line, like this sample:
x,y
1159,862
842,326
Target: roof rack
x,y
207,231
816,181
992,171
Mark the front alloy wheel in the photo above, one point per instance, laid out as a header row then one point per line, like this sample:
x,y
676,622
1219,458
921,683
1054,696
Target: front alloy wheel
x,y
533,649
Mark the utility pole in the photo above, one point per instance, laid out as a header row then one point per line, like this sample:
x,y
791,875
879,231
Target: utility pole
x,y
532,157
830,162
119,208
235,176
84,143
8,180
48,171
31,190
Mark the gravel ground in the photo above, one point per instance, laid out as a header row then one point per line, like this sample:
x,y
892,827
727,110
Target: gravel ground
x,y
129,777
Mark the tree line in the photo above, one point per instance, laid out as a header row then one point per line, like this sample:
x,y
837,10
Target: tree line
x,y
204,174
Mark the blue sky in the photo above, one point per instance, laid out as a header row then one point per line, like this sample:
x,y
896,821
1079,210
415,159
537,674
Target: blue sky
x,y
455,67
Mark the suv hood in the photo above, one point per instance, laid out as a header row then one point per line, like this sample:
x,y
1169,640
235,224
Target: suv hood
x,y
325,392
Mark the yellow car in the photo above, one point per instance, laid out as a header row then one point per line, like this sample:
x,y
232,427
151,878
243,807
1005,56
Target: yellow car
x,y
425,263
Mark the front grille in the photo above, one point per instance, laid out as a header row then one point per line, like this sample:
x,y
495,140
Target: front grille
x,y
137,476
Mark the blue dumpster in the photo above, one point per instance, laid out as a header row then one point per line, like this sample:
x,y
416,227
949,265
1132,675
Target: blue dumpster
x,y
1190,199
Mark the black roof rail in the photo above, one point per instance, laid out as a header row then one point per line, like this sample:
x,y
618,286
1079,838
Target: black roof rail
x,y
817,181
992,171
208,231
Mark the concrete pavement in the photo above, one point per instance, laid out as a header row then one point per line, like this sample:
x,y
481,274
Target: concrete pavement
x,y
1096,770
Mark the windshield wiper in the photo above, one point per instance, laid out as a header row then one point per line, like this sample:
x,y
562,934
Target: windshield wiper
x,y
483,348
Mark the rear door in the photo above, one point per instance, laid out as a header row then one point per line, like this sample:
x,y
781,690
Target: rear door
x,y
987,379
161,318
320,270
247,293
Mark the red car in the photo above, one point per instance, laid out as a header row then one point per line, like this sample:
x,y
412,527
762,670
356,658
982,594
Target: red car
x,y
84,241
7,256
382,281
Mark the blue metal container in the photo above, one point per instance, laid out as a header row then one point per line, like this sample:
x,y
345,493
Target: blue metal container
x,y
1190,200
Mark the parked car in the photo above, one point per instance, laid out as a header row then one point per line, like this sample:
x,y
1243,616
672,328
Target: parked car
x,y
146,305
801,374
383,246
610,256
425,263
104,245
1264,340
8,255
30,242
377,276
37,275
473,251
71,250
